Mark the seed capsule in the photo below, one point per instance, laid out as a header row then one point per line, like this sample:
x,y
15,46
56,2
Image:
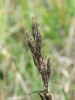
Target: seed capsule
x,y
48,68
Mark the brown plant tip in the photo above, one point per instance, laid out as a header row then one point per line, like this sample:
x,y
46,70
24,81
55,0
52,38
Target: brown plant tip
x,y
34,28
48,68
35,45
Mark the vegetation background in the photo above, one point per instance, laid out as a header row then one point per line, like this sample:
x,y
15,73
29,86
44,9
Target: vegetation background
x,y
57,24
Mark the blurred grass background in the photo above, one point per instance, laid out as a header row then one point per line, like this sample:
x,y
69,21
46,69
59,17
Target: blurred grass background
x,y
57,24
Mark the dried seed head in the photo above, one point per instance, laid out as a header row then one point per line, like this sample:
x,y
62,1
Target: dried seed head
x,y
35,48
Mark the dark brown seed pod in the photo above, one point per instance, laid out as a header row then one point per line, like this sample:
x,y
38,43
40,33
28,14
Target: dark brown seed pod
x,y
36,63
31,44
38,42
33,31
44,74
34,28
48,68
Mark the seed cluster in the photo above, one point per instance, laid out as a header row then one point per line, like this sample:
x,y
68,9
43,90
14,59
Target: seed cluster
x,y
35,44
